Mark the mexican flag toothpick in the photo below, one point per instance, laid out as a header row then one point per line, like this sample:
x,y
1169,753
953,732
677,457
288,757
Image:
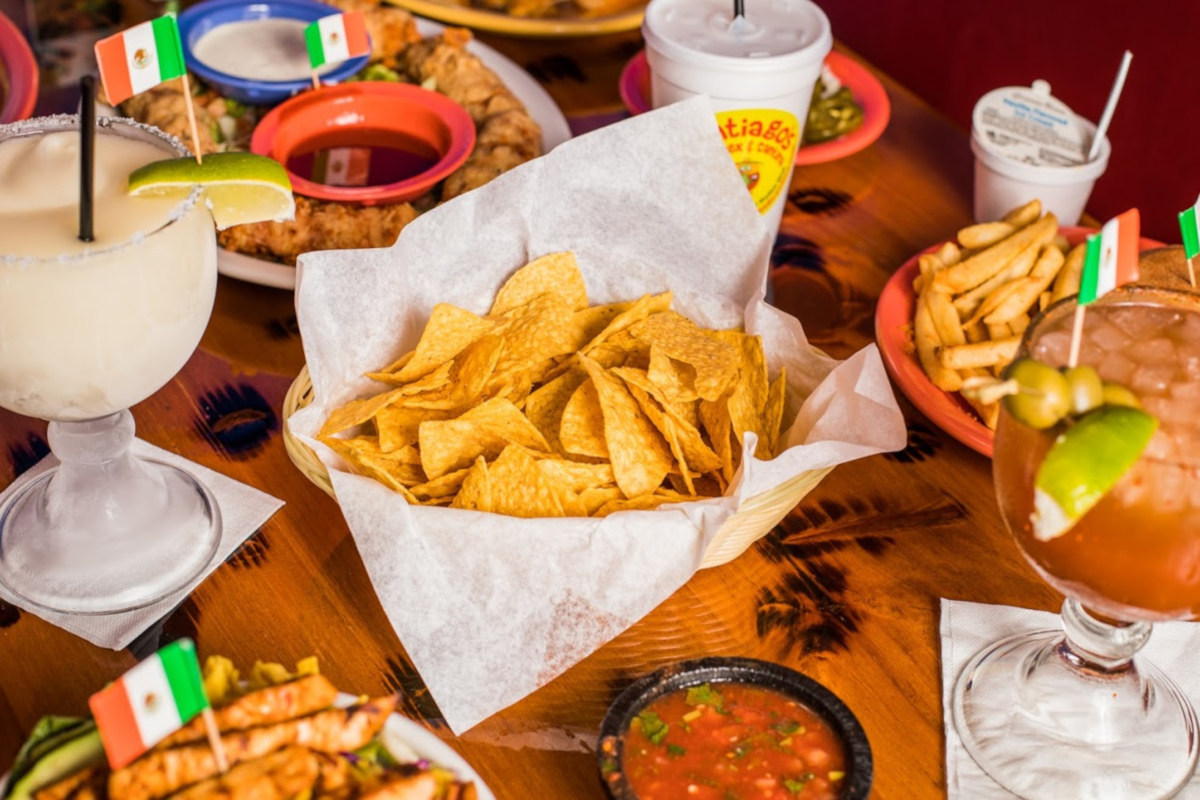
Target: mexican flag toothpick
x,y
1111,260
338,37
1189,226
151,701
139,58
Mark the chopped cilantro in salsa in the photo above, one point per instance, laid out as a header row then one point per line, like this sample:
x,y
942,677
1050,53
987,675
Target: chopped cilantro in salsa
x,y
653,726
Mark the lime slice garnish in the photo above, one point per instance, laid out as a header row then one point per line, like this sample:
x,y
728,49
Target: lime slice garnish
x,y
238,187
1084,463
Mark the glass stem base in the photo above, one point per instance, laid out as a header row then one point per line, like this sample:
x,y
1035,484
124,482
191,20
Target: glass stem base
x,y
105,531
1071,713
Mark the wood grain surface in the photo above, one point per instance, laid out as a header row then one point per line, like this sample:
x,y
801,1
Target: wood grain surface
x,y
845,589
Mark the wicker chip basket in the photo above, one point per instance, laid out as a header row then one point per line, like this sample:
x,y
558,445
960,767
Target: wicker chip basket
x,y
755,519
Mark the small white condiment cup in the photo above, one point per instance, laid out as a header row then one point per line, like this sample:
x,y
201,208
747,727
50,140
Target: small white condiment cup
x,y
1027,145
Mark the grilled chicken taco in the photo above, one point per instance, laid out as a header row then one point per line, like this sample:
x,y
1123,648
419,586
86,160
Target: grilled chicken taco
x,y
282,736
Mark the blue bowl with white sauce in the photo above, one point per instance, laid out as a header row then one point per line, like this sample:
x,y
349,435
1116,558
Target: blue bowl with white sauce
x,y
254,52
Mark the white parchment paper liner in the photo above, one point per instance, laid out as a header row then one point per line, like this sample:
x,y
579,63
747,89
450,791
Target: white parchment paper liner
x,y
490,607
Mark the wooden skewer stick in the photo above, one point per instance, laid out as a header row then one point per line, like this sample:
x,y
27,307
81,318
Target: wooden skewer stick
x,y
214,740
191,115
1076,336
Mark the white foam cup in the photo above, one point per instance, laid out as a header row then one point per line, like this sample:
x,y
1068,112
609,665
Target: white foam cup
x,y
1019,158
758,70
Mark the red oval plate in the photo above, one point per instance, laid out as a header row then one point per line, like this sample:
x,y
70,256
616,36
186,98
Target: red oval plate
x,y
18,74
866,88
893,332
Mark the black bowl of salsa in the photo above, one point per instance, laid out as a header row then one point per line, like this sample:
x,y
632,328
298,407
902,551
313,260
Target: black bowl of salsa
x,y
730,728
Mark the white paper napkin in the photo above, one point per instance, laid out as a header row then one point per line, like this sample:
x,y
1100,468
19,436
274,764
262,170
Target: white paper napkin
x,y
243,511
967,628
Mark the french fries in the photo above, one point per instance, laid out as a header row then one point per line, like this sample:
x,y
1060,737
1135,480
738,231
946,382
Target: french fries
x,y
977,293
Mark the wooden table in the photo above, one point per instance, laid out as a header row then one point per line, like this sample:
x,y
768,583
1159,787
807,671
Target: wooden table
x,y
845,589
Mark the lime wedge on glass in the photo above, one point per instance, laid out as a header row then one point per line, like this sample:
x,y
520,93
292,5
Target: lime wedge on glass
x,y
1084,463
238,187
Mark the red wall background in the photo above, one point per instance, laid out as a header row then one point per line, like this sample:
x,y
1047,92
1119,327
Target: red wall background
x,y
951,52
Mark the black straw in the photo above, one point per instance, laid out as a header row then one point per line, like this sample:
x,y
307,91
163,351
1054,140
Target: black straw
x,y
87,154
739,8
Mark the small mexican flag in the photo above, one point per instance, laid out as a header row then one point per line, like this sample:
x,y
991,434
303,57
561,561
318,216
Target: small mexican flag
x,y
338,37
140,58
152,700
1189,226
1111,258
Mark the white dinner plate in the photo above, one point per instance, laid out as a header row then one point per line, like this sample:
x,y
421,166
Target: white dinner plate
x,y
537,100
429,747
422,743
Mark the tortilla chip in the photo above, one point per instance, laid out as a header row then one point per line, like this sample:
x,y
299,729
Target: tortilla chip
x,y
447,333
582,428
773,414
591,321
398,426
520,489
640,458
363,456
748,401
714,361
356,412
476,491
715,418
545,406
445,486
399,363
675,380
579,477
483,431
592,500
557,272
642,308
698,455
538,330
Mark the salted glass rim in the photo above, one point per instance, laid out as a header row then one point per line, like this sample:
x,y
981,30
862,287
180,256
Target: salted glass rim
x,y
1129,295
118,126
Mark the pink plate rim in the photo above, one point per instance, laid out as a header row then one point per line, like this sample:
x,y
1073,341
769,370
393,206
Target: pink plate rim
x,y
20,73
893,333
634,87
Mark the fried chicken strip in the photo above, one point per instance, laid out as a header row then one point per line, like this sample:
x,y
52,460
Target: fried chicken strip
x,y
319,225
263,707
165,107
164,771
279,776
506,136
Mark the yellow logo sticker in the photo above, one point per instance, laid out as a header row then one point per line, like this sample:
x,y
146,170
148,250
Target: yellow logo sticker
x,y
762,142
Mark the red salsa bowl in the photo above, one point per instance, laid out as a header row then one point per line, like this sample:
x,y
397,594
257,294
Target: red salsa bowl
x,y
732,727
384,142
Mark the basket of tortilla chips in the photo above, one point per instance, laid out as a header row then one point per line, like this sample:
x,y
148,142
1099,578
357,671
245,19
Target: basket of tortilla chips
x,y
555,398
549,406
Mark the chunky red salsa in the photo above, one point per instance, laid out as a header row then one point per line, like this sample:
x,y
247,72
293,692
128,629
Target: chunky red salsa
x,y
731,742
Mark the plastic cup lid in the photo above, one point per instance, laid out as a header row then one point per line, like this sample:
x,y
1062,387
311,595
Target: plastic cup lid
x,y
1028,124
771,36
